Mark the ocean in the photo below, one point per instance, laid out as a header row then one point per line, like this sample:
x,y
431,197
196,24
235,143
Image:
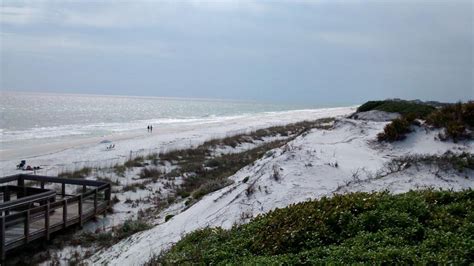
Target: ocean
x,y
36,118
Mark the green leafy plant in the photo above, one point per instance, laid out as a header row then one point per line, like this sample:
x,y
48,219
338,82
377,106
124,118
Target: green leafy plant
x,y
420,110
423,227
394,131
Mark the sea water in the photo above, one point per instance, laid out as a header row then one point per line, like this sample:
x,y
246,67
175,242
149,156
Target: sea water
x,y
37,118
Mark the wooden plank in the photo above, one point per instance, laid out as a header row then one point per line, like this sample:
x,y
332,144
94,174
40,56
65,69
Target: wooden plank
x,y
95,202
46,221
2,238
41,221
80,210
27,226
65,213
70,181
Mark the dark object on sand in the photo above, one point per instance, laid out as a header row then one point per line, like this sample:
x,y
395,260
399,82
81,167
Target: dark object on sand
x,y
110,147
21,165
31,168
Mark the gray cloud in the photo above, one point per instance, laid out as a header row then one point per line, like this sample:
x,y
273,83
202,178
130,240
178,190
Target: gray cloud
x,y
308,51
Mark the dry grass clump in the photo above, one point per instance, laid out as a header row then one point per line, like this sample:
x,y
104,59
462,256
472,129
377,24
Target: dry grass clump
x,y
149,172
78,174
138,161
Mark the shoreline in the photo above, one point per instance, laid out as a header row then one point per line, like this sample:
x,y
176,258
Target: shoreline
x,y
56,157
51,148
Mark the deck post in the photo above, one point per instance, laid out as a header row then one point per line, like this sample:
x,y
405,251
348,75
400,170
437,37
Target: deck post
x,y
107,196
80,210
27,226
64,213
21,183
84,188
6,197
46,221
95,202
63,189
2,238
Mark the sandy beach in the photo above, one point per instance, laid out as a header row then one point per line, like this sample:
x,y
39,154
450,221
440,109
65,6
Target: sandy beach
x,y
66,156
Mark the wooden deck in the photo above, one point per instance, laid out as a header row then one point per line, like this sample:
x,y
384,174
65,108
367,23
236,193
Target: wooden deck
x,y
37,212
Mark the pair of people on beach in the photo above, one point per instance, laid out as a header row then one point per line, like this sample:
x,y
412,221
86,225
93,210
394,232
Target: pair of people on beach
x,y
150,128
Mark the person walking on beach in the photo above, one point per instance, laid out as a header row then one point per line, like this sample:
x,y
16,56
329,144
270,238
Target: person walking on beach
x,y
148,128
151,129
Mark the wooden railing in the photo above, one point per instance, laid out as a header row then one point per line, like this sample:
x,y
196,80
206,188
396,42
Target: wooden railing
x,y
37,215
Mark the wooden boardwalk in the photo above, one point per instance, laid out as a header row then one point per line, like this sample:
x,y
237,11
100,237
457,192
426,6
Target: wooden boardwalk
x,y
29,213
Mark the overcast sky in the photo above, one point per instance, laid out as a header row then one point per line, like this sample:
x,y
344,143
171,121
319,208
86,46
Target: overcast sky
x,y
312,52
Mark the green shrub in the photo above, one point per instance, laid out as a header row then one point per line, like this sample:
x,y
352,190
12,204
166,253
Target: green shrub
x,y
446,162
213,163
394,131
130,227
210,186
455,130
420,110
455,119
468,114
168,217
370,105
183,194
424,227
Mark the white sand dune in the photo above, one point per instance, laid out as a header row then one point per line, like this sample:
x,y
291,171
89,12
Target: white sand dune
x,y
314,165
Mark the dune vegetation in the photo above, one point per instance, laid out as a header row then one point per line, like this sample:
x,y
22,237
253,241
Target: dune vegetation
x,y
455,120
415,227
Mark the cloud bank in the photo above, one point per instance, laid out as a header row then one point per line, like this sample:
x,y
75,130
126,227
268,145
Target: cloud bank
x,y
313,52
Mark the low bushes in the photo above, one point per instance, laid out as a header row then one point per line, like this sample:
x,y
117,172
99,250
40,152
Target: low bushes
x,y
396,130
456,119
398,106
210,186
421,227
445,162
168,217
204,181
